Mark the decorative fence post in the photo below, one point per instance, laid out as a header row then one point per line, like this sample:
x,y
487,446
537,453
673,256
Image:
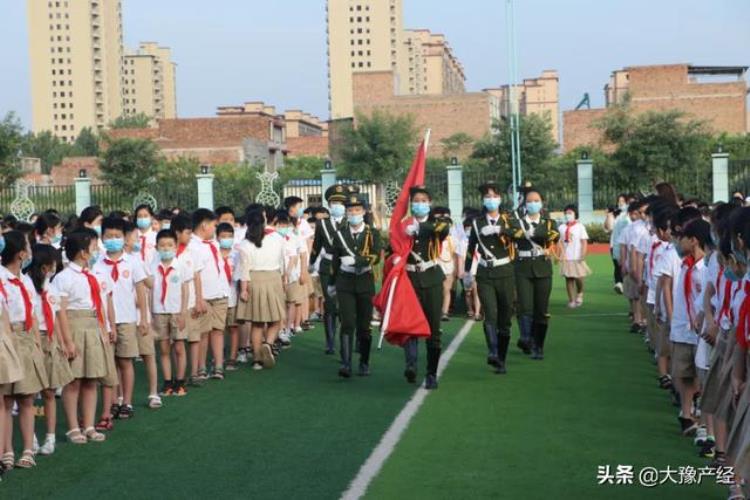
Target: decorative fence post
x,y
327,179
83,191
455,188
720,169
585,188
205,188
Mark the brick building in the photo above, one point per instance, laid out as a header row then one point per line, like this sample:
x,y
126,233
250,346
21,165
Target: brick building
x,y
470,112
714,94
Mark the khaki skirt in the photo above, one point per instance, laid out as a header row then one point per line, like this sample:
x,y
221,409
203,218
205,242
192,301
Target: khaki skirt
x,y
725,406
87,337
574,269
739,435
55,362
266,301
711,388
295,293
32,361
10,364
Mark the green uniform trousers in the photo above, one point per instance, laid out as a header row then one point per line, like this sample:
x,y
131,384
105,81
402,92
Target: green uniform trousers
x,y
329,303
497,296
533,296
431,300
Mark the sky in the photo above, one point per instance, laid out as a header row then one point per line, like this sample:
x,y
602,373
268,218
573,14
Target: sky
x,y
231,51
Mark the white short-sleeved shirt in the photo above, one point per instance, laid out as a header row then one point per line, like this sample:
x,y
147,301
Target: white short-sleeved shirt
x,y
655,252
621,222
294,246
681,329
572,236
71,284
176,275
53,301
208,264
269,257
148,246
233,261
15,303
668,265
130,272
624,240
185,259
304,229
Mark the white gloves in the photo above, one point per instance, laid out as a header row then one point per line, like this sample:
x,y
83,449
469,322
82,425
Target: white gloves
x,y
412,228
331,289
490,230
347,261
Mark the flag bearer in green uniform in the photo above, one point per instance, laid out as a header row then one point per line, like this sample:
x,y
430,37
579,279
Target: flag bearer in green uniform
x,y
356,250
535,236
492,236
427,278
323,242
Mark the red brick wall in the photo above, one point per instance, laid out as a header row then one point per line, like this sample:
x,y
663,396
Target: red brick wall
x,y
66,173
211,156
578,128
307,146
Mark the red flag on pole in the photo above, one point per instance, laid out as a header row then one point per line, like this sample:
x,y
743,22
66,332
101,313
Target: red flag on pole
x,y
397,301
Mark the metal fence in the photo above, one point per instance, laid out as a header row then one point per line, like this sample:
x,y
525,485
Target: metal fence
x,y
62,198
739,176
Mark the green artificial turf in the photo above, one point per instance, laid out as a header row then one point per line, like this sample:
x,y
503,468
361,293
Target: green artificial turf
x,y
541,430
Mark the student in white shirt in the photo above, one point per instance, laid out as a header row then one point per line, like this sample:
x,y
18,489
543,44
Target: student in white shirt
x,y
691,236
18,289
230,272
630,286
85,329
169,305
212,293
305,232
48,229
144,218
573,248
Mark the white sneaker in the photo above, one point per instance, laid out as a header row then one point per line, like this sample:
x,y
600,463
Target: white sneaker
x,y
618,288
35,446
298,330
241,357
257,366
284,338
700,436
48,448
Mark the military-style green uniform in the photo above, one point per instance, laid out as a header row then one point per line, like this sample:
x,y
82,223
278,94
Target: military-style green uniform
x,y
491,236
533,240
356,251
427,279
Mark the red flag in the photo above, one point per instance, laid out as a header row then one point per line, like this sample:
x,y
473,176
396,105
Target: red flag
x,y
397,301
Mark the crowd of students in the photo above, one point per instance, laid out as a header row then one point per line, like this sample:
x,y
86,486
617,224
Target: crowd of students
x,y
683,267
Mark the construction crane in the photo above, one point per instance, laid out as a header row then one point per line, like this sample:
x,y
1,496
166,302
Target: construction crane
x,y
584,102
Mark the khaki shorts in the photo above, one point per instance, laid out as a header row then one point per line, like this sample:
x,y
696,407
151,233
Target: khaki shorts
x,y
165,328
127,343
317,287
193,327
683,360
295,293
630,288
215,317
232,317
146,344
663,345
110,377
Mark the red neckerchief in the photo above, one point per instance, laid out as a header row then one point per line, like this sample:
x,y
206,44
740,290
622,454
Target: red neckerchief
x,y
568,227
214,252
27,305
654,246
269,230
96,295
164,273
115,269
49,317
726,303
2,291
143,248
181,248
228,270
717,286
743,326
689,261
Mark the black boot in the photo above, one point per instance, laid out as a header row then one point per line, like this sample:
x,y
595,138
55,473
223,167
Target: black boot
x,y
525,326
502,353
539,333
346,356
411,352
330,327
365,343
490,337
433,359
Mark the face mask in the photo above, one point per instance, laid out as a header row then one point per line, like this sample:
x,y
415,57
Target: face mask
x,y
98,230
491,204
570,217
355,220
740,256
25,263
56,239
730,274
283,231
533,207
93,259
137,246
113,245
623,208
226,243
337,210
143,222
167,254
420,208
678,248
166,226
2,244
714,238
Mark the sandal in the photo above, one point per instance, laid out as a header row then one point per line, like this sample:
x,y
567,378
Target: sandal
x,y
202,374
27,460
218,374
104,424
93,435
665,382
126,412
75,436
114,410
9,460
154,402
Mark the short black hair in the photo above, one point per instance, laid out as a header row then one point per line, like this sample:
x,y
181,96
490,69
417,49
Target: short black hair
x,y
79,241
164,214
572,208
45,221
181,222
89,215
290,201
164,234
700,230
128,226
202,215
15,243
684,218
224,227
114,223
120,214
143,206
282,217
223,210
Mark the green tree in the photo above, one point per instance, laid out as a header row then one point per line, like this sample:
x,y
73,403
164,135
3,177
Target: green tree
x,y
10,144
130,165
300,167
87,143
379,149
140,120
47,147
458,145
236,185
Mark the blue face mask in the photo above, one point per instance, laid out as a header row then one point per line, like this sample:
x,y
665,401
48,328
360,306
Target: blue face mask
x,y
226,243
57,238
93,259
137,246
26,263
420,208
113,245
2,244
533,207
166,226
570,217
143,222
167,254
491,204
740,256
337,210
98,230
355,220
730,275
283,231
